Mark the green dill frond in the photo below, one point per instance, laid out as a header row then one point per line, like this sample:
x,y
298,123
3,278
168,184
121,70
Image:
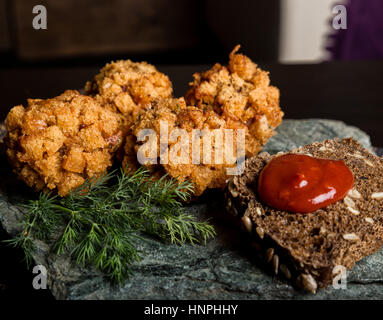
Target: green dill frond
x,y
100,222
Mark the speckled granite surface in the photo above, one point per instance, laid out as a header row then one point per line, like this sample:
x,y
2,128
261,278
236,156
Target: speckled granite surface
x,y
223,269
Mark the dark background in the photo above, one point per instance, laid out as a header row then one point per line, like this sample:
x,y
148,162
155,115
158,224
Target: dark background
x,y
162,31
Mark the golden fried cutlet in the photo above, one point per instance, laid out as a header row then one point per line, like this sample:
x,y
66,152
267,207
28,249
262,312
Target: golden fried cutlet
x,y
56,144
240,93
177,116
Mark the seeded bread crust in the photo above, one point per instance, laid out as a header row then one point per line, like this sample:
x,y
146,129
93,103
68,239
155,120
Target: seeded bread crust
x,y
306,248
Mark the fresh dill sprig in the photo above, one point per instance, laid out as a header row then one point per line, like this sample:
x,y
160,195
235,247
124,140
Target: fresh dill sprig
x,y
100,222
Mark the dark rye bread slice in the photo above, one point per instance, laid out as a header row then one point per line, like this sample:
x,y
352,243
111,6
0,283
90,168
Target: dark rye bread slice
x,y
306,247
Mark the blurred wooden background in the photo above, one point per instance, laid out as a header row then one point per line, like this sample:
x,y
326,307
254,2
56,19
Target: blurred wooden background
x,y
192,31
94,27
4,32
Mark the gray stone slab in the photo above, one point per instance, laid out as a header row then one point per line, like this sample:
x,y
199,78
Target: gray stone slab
x,y
223,269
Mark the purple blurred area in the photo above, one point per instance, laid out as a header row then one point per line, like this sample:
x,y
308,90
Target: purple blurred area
x,y
363,38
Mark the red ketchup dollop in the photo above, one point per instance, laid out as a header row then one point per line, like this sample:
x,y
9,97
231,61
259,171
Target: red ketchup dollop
x,y
302,184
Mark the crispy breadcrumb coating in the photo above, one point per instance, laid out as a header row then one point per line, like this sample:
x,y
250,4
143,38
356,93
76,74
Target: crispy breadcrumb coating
x,y
56,144
177,115
240,93
128,87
